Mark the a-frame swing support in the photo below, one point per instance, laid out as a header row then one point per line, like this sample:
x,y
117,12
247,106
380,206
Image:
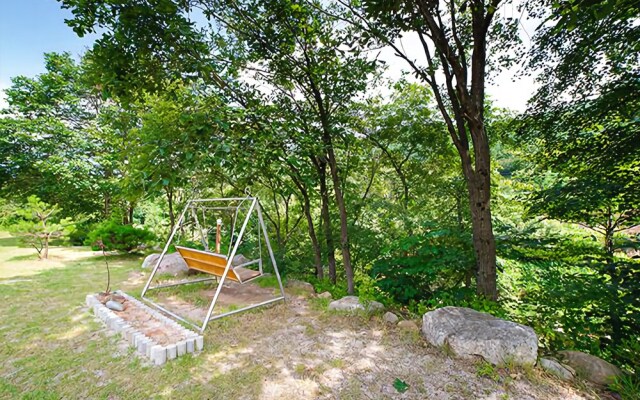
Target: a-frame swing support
x,y
254,207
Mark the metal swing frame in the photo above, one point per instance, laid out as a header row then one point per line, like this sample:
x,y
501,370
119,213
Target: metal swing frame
x,y
254,207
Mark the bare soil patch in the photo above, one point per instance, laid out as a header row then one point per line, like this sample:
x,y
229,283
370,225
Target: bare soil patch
x,y
232,296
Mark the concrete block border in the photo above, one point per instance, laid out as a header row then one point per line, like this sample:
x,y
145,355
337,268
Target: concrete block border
x,y
144,345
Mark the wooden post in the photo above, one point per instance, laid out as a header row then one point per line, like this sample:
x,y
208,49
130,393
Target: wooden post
x,y
218,235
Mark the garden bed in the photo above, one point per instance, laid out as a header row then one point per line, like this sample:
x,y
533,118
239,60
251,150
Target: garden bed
x,y
151,333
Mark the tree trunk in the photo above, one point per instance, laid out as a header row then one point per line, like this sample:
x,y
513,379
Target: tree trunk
x,y
45,252
107,206
326,221
306,206
130,209
327,140
342,209
317,251
615,308
484,244
172,217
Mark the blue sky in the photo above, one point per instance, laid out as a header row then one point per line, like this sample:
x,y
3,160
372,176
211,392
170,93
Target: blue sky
x,y
30,28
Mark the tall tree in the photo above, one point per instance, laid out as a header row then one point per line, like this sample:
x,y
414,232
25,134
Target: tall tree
x,y
47,142
305,50
456,40
583,125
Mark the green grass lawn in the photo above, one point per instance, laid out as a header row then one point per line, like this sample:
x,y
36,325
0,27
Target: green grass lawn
x,y
53,348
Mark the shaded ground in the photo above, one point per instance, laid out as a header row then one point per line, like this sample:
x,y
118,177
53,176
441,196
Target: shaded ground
x,y
54,348
194,304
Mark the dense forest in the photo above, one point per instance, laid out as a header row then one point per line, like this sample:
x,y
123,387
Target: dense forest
x,y
417,192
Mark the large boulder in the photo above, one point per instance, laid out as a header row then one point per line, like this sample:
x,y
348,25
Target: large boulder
x,y
353,303
590,367
172,264
470,333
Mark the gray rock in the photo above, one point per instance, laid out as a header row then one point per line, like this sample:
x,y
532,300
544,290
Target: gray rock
x,y
590,367
325,295
172,264
470,333
301,286
408,325
239,259
554,367
390,317
114,305
352,303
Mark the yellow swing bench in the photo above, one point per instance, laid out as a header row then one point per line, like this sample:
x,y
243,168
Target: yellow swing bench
x,y
219,265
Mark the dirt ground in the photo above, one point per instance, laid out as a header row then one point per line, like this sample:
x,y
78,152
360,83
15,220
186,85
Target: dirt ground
x,y
232,296
304,352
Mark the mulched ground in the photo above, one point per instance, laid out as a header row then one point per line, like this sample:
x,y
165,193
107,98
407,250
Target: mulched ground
x,y
141,320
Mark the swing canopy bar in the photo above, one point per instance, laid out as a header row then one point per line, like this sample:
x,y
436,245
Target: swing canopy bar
x,y
220,266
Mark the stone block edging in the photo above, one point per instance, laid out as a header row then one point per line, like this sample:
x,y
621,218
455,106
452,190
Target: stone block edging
x,y
144,345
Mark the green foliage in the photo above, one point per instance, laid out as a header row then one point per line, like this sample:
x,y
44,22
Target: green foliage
x,y
557,283
321,286
487,370
38,223
400,385
47,142
116,236
416,267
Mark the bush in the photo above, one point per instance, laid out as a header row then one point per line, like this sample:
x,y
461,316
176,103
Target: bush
x,y
116,236
80,234
415,268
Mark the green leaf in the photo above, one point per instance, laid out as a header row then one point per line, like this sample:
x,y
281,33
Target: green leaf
x,y
400,385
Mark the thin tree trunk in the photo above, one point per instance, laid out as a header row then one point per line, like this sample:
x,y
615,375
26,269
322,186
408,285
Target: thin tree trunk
x,y
342,209
614,303
172,217
326,221
45,252
321,166
107,206
132,206
317,251
306,207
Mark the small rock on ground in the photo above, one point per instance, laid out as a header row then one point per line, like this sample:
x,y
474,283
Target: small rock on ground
x,y
325,295
114,305
554,367
352,303
301,286
390,317
408,325
239,259
590,367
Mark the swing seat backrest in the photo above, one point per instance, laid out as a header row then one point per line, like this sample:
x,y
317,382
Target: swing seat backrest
x,y
214,264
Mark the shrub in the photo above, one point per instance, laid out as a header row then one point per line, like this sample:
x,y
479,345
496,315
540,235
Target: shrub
x,y
116,236
415,268
79,235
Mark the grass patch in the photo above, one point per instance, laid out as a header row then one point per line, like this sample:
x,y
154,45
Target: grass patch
x,y
487,370
53,347
268,281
